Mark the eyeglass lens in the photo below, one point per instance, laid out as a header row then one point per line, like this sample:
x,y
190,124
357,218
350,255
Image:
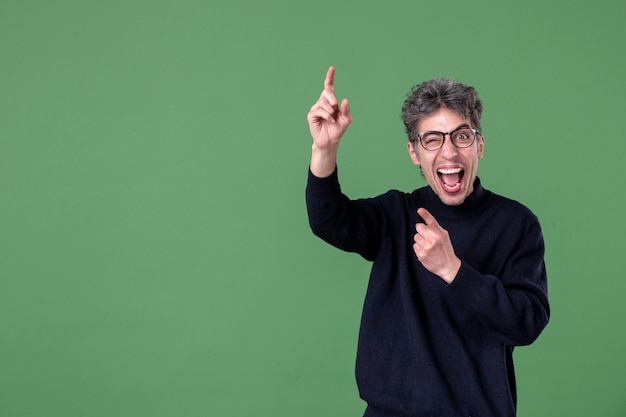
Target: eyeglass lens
x,y
461,138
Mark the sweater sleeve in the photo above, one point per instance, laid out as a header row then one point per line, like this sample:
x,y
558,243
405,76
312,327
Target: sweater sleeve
x,y
514,306
350,225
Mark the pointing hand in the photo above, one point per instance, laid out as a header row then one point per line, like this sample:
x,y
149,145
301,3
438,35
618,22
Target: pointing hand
x,y
433,248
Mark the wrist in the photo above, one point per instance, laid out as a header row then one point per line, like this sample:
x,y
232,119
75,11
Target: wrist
x,y
323,160
449,275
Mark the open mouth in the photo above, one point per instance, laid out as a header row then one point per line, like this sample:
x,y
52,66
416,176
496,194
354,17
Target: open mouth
x,y
451,178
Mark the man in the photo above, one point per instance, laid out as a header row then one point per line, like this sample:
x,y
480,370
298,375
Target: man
x,y
458,276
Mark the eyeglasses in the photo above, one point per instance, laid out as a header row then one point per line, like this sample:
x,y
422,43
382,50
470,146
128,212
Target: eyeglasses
x,y
462,137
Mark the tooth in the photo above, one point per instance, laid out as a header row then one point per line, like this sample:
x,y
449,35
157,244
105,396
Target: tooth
x,y
450,171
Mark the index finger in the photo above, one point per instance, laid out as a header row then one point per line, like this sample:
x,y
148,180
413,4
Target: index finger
x,y
428,218
329,82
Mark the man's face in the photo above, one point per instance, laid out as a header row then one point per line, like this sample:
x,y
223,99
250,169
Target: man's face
x,y
450,171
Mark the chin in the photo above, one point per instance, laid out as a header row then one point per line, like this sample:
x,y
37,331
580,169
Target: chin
x,y
452,202
452,199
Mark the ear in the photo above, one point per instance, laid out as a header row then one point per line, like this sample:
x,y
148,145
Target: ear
x,y
481,147
412,152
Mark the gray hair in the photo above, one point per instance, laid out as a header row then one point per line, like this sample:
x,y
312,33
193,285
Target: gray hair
x,y
426,98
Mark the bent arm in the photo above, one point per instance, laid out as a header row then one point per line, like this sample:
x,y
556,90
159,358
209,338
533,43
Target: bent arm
x,y
350,225
514,306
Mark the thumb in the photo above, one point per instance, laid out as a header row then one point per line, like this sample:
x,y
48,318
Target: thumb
x,y
345,110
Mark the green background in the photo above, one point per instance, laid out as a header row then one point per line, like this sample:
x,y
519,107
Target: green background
x,y
155,255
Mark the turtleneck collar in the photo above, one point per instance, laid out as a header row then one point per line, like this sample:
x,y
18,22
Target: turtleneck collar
x,y
475,203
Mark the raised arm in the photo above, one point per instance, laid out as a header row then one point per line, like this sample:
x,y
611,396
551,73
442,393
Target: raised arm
x,y
328,121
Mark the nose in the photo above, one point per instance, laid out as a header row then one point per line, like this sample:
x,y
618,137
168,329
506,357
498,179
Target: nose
x,y
448,149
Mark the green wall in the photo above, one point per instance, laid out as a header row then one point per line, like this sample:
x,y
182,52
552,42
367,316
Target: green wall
x,y
155,256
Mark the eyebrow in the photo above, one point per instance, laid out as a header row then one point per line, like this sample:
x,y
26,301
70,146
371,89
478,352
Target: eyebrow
x,y
461,126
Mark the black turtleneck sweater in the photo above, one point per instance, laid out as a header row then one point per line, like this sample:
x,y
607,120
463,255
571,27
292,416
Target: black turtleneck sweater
x,y
428,348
